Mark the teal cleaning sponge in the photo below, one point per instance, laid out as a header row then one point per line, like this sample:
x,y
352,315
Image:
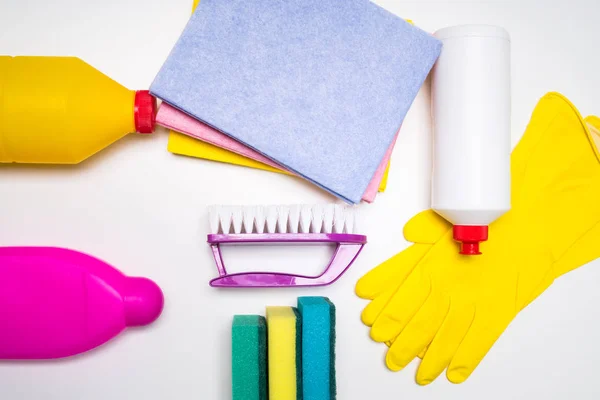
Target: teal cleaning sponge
x,y
249,358
318,348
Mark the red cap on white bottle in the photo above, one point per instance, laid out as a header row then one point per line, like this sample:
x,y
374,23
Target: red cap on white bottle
x,y
469,237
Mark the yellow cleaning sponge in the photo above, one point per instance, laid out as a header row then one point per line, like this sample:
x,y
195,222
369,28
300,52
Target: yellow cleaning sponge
x,y
284,329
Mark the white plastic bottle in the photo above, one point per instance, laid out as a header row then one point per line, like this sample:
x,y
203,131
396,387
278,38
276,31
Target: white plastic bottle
x,y
471,122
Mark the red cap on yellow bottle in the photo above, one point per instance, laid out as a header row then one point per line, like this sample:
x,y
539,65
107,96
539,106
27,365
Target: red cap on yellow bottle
x,y
144,112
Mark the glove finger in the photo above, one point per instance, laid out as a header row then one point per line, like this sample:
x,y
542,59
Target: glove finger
x,y
445,344
423,352
372,311
476,344
426,227
418,333
390,274
401,308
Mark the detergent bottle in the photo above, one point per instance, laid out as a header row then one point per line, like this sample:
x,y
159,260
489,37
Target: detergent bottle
x,y
60,110
471,130
56,302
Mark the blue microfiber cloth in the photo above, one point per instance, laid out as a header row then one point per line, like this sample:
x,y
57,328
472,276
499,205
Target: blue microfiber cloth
x,y
318,348
320,86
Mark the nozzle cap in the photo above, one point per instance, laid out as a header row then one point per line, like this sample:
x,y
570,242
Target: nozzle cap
x,y
144,111
143,301
469,237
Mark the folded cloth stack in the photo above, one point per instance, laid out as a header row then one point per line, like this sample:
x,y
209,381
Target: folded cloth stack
x,y
295,86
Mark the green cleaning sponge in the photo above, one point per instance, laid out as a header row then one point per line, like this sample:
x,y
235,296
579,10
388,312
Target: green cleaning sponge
x,y
318,348
284,329
249,357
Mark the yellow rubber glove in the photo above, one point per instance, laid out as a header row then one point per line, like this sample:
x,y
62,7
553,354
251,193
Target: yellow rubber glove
x,y
426,228
466,302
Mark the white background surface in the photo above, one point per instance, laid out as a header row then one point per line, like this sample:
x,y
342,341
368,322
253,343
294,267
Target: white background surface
x,y
143,210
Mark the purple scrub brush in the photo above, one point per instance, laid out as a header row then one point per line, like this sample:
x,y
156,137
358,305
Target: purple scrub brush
x,y
284,224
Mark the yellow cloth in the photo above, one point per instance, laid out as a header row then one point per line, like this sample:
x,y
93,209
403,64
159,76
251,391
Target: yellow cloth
x,y
431,297
188,146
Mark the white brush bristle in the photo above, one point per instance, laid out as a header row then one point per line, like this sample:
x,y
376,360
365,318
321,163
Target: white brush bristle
x,y
213,219
293,219
305,219
249,215
225,218
327,218
237,219
282,218
339,219
259,220
272,214
316,225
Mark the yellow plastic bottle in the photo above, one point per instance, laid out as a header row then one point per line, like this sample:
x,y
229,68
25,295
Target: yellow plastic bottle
x,y
60,110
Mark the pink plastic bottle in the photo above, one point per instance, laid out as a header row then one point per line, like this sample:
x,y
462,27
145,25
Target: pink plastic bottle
x,y
57,303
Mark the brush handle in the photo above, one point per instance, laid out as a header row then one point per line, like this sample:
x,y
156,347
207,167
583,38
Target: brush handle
x,y
343,257
286,238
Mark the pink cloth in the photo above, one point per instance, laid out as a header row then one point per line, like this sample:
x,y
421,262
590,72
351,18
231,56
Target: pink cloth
x,y
176,120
